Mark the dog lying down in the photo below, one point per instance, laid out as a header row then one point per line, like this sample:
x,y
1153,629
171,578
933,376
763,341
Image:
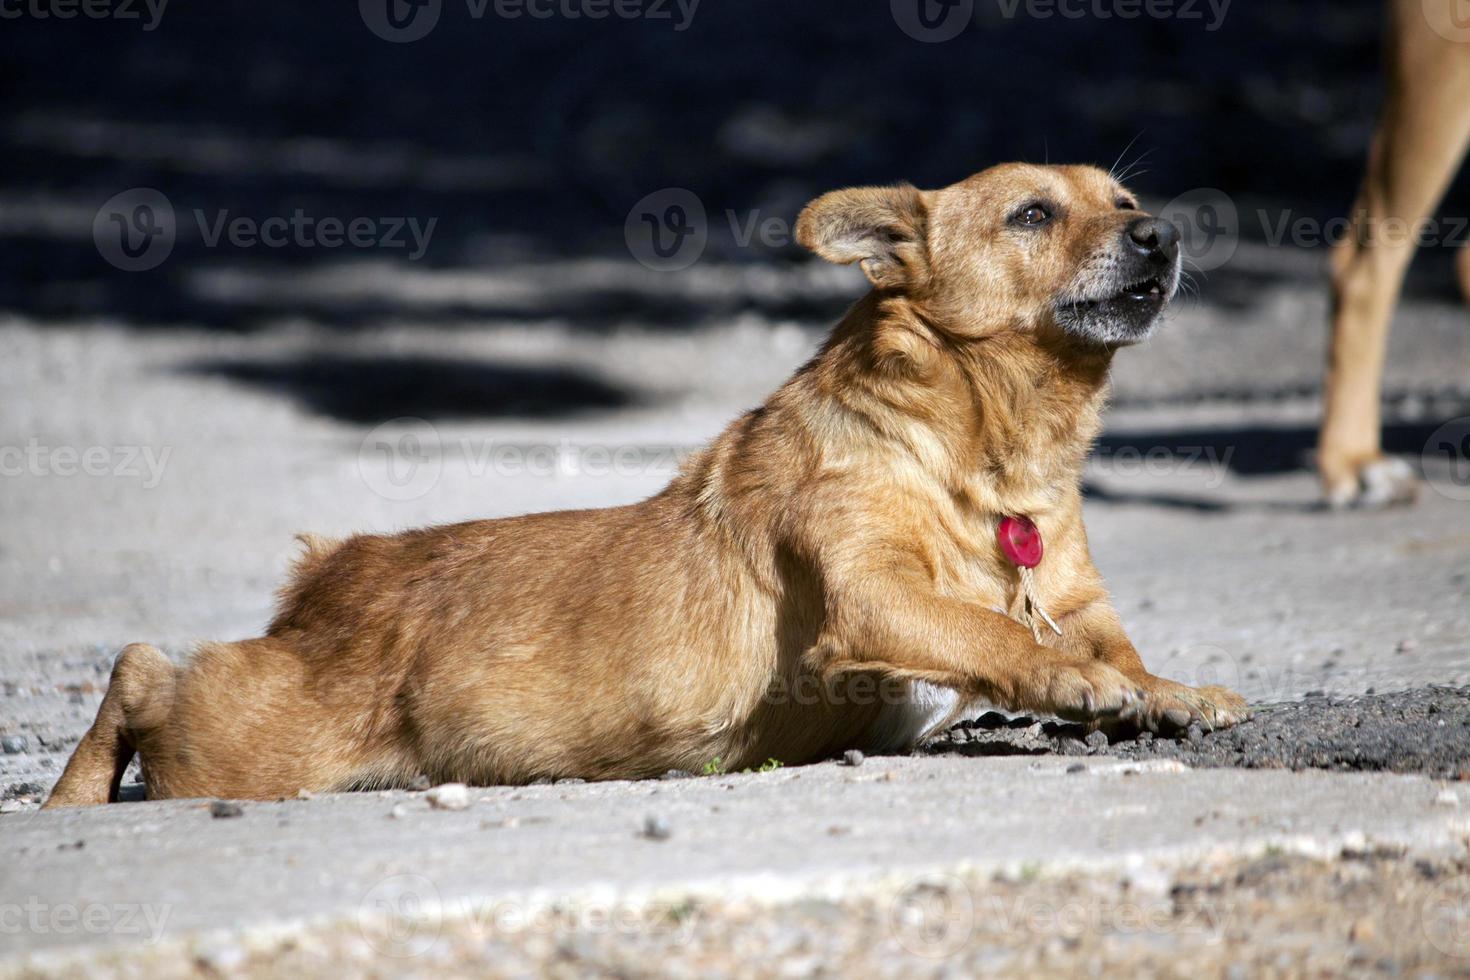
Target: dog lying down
x,y
895,535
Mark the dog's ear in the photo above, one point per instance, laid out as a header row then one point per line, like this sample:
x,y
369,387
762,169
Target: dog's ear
x,y
881,228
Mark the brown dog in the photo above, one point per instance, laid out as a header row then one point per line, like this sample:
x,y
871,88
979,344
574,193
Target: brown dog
x,y
825,576
1420,142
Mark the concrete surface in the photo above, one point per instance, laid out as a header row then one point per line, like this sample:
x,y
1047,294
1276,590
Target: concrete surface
x,y
391,867
209,450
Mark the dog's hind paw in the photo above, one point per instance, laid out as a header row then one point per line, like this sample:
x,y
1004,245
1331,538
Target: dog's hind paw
x,y
1378,483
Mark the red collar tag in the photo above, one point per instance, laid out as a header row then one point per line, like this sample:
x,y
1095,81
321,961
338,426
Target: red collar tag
x,y
1020,541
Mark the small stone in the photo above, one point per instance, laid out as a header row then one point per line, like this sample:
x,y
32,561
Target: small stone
x,y
220,957
677,774
1144,738
450,796
1195,734
1447,797
305,794
1076,767
1408,646
224,809
570,781
419,783
13,744
852,757
1362,931
398,812
1097,740
656,828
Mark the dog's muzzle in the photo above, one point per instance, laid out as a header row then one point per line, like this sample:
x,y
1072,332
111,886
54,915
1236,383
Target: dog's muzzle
x,y
1118,297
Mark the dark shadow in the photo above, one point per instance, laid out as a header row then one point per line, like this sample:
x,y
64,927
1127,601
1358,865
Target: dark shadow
x,y
530,139
371,389
1256,450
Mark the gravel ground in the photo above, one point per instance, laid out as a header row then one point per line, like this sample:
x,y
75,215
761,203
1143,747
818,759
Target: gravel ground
x,y
1374,913
1425,731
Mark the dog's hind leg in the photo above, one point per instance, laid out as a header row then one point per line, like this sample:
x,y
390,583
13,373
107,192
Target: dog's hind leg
x,y
138,702
1420,142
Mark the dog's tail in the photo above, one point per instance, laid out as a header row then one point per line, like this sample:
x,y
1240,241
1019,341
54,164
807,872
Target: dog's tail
x,y
139,701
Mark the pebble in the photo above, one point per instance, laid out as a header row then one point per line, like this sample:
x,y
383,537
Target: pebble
x,y
1447,797
677,774
220,957
13,744
450,796
1076,767
1097,740
656,828
852,757
1196,734
1408,646
398,812
224,809
419,783
305,794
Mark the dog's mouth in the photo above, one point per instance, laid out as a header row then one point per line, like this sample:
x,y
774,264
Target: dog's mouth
x,y
1126,315
1151,291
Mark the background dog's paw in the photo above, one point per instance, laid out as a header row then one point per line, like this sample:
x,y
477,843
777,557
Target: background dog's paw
x,y
1171,707
1090,691
1382,482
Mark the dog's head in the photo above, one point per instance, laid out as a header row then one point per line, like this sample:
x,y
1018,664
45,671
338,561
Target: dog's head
x,y
1015,247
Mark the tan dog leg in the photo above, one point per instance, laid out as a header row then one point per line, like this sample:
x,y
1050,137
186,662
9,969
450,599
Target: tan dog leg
x,y
1462,271
1420,141
918,635
138,699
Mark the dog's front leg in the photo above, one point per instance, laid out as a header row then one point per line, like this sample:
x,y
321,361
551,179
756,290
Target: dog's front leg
x,y
899,625
1095,631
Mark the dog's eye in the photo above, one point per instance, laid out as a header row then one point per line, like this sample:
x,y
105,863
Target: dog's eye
x,y
1123,204
1032,215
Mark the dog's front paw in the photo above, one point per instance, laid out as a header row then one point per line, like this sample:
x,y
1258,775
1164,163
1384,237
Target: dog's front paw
x,y
1169,706
1089,691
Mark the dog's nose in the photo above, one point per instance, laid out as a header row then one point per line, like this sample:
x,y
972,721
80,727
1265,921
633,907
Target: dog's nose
x,y
1155,238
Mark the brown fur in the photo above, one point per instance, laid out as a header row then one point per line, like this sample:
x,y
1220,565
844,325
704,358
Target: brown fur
x,y
1421,140
799,589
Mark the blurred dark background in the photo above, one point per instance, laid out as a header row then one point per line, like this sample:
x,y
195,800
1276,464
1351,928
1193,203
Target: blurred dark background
x,y
532,138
